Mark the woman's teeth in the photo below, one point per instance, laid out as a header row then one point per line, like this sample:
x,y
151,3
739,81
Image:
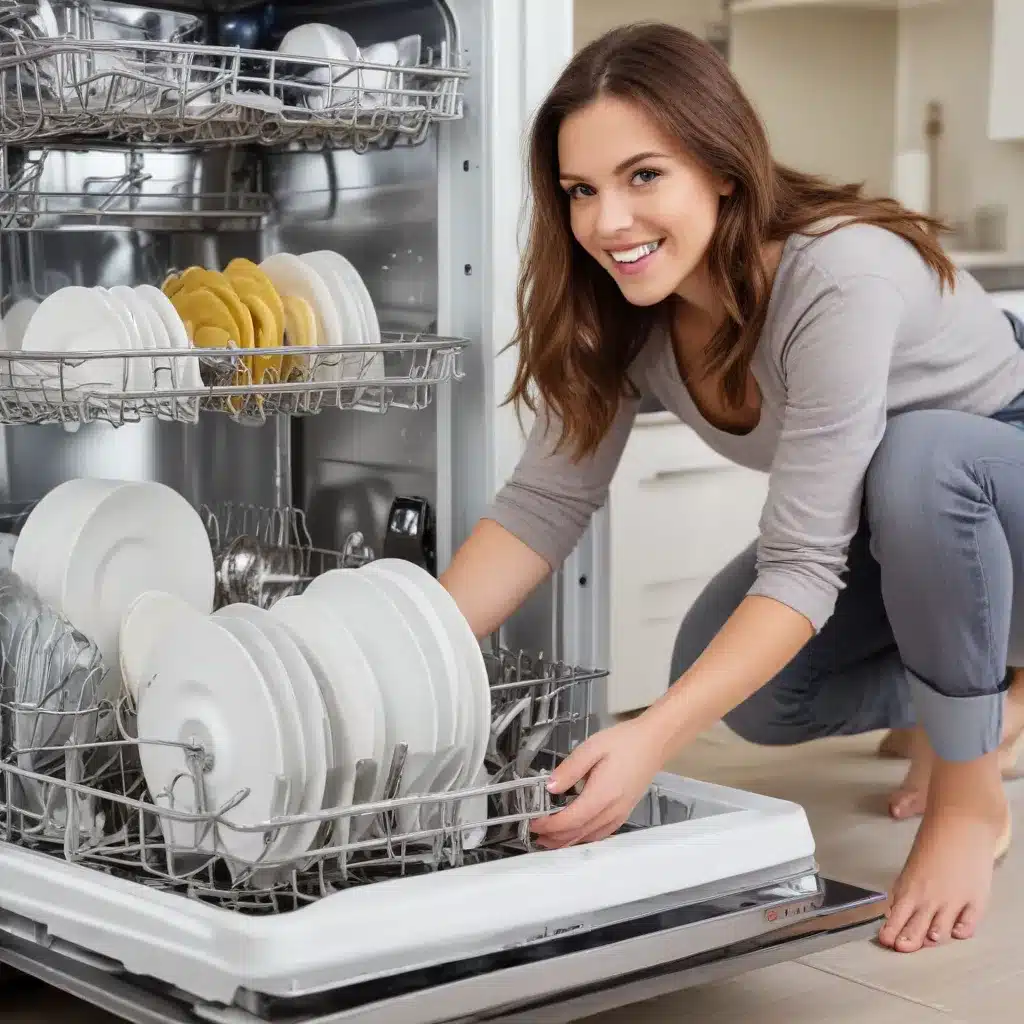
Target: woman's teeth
x,y
632,255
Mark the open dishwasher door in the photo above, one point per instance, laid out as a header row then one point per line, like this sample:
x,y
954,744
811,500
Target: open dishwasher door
x,y
705,882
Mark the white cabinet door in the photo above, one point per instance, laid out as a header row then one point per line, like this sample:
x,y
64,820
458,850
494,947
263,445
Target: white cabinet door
x,y
1006,78
677,513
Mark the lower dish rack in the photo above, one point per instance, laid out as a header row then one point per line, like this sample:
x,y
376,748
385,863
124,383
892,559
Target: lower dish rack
x,y
89,804
74,786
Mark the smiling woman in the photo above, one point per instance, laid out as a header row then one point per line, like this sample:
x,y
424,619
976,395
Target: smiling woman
x,y
819,335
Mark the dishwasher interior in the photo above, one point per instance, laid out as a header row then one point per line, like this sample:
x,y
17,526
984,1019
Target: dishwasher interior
x,y
137,144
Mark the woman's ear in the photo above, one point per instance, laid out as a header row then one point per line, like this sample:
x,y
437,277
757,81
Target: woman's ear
x,y
726,187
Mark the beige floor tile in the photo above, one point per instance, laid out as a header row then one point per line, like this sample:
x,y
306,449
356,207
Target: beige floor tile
x,y
784,994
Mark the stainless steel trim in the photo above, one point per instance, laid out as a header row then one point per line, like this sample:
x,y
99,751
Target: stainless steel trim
x,y
546,991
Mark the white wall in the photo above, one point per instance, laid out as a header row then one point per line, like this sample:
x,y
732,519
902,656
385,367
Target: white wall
x,y
824,82
944,56
595,17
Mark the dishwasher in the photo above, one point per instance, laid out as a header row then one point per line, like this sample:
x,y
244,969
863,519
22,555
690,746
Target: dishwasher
x,y
138,142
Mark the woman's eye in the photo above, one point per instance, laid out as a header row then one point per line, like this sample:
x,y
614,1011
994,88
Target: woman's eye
x,y
646,176
579,191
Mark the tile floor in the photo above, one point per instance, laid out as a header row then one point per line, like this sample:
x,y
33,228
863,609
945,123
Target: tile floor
x,y
843,788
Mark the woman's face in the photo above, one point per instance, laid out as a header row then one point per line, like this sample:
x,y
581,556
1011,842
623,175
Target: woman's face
x,y
643,208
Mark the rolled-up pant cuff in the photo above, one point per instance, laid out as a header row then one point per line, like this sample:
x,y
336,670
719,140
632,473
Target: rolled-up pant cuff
x,y
958,728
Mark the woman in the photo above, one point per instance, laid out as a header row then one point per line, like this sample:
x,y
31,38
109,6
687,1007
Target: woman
x,y
825,338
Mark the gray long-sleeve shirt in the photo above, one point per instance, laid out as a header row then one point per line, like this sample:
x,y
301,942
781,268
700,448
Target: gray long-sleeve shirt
x,y
857,330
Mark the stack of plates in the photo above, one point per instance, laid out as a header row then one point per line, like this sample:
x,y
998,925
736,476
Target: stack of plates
x,y
301,707
317,300
76,320
309,301
91,547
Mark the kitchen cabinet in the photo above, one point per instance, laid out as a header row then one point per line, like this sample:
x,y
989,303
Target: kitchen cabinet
x,y
1006,77
678,512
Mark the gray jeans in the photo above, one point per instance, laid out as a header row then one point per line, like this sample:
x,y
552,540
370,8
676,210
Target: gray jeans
x,y
929,620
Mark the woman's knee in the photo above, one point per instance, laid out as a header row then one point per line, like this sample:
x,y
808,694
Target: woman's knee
x,y
777,715
920,479
709,613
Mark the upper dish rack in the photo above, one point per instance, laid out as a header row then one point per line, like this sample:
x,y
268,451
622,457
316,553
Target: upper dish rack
x,y
187,92
403,372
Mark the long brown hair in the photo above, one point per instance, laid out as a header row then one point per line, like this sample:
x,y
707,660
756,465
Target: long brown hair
x,y
577,334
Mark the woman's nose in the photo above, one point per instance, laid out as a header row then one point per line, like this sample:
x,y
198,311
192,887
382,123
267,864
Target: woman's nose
x,y
613,214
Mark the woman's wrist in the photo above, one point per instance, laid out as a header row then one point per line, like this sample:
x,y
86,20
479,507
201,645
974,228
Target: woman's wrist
x,y
668,724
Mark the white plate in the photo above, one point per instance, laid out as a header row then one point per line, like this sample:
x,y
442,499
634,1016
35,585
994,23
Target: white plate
x,y
262,651
374,368
447,767
75,320
16,322
149,617
350,315
186,375
394,653
132,379
290,276
430,631
141,536
312,719
142,371
350,691
475,687
206,688
323,42
49,533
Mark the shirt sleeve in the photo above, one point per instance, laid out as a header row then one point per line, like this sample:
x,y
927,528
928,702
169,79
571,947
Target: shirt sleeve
x,y
835,364
550,498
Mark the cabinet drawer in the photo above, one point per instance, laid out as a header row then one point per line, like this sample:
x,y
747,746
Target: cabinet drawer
x,y
678,512
644,628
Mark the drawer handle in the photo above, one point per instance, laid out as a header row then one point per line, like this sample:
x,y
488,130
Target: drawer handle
x,y
664,475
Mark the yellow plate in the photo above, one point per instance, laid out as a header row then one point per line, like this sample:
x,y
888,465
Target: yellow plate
x,y
224,290
267,368
245,270
300,331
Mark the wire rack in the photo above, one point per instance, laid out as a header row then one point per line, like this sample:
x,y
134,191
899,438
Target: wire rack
x,y
73,785
87,802
190,92
130,195
263,554
127,386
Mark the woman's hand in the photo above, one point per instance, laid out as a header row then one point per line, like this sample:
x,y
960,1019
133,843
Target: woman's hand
x,y
619,765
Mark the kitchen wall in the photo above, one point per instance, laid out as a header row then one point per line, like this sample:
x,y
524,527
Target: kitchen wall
x,y
595,17
944,55
824,82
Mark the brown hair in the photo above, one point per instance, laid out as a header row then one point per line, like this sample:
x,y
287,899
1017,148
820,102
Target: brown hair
x,y
577,334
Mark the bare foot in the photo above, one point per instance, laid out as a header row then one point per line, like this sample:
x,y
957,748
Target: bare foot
x,y
909,800
944,887
896,743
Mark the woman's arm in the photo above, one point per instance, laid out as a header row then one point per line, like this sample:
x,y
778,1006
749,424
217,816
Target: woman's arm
x,y
491,575
534,522
759,639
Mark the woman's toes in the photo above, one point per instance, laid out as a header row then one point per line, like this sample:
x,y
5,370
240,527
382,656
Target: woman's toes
x,y
966,923
896,919
942,926
907,803
914,933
